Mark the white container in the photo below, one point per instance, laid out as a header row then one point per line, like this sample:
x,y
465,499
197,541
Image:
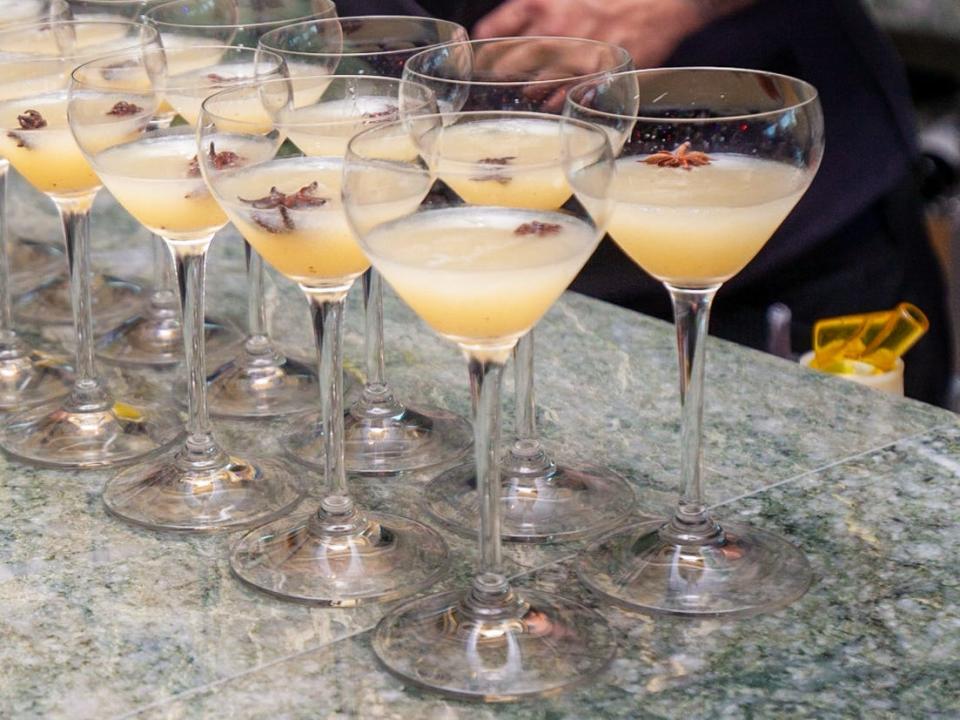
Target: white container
x,y
888,382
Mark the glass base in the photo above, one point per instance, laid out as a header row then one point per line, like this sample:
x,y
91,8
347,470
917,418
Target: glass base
x,y
742,571
30,262
387,437
523,644
168,494
540,501
339,556
156,340
29,377
261,385
49,304
57,434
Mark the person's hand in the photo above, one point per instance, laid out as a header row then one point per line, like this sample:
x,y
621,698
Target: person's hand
x,y
648,29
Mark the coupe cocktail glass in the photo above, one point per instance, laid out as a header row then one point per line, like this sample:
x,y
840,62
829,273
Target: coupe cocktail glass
x,y
153,336
26,377
382,434
286,203
481,275
193,73
87,428
710,163
154,173
47,299
261,381
544,500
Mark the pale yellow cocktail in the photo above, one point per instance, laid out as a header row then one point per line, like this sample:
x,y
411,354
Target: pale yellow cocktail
x,y
700,227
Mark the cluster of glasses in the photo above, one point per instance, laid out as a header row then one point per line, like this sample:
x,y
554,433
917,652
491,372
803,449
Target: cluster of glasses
x,y
477,177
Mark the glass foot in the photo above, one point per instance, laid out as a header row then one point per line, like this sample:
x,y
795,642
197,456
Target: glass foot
x,y
539,501
386,437
519,645
32,261
61,434
49,304
340,556
156,340
742,572
168,494
29,377
261,385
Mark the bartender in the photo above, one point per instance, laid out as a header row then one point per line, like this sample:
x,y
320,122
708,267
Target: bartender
x,y
857,240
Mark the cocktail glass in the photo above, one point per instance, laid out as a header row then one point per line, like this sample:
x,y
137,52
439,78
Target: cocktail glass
x,y
87,428
261,381
381,434
30,260
193,72
286,201
544,499
26,377
45,298
710,163
154,173
481,275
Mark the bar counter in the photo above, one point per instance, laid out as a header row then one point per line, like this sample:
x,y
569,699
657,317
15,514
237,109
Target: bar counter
x,y
102,620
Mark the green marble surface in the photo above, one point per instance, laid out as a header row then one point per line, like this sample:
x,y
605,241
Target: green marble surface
x,y
102,620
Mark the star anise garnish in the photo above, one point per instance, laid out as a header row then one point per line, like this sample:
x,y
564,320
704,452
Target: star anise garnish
x,y
283,203
540,229
223,159
31,120
124,108
110,72
219,160
495,176
505,160
681,158
388,113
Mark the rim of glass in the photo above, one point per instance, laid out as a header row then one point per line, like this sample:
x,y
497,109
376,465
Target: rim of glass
x,y
610,77
406,18
316,15
560,120
328,80
171,80
582,77
93,53
141,3
112,55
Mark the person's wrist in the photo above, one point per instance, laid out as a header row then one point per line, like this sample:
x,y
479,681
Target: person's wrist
x,y
706,11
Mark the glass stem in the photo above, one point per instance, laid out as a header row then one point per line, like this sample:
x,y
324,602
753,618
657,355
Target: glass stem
x,y
485,378
200,449
257,341
87,395
526,406
190,263
160,263
373,327
691,311
326,308
6,314
163,298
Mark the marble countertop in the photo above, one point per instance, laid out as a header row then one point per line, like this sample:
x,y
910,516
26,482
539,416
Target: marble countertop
x,y
102,620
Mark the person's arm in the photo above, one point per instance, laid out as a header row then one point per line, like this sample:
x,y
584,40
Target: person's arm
x,y
648,29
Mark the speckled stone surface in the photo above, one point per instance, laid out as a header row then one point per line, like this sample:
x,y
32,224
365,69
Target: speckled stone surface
x,y
102,620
